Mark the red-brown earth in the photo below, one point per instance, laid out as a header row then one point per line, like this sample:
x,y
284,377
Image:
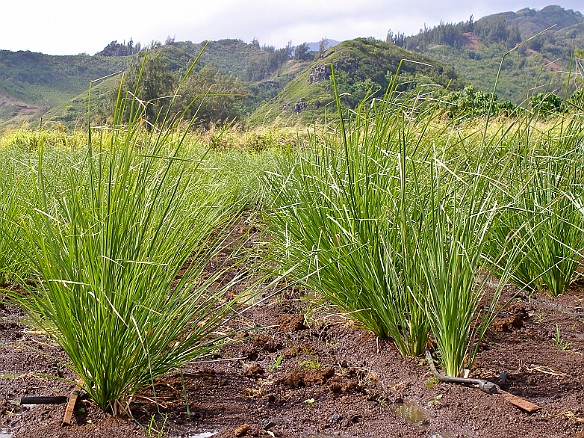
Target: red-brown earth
x,y
311,372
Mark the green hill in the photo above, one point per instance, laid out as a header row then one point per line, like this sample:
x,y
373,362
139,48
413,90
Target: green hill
x,y
32,83
276,84
542,44
537,47
55,88
363,66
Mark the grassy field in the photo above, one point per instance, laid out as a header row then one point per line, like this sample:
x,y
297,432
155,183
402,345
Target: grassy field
x,y
396,215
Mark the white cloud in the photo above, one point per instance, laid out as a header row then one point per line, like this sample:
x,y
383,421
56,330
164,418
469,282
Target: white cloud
x,y
70,27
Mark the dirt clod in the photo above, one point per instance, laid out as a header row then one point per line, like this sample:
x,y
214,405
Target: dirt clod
x,y
242,430
291,323
253,371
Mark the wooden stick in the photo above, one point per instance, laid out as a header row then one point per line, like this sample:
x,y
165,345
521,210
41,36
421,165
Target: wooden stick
x,y
67,418
521,403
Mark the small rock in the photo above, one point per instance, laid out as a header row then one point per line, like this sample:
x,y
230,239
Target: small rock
x,y
353,419
242,430
295,379
268,424
335,418
267,343
254,371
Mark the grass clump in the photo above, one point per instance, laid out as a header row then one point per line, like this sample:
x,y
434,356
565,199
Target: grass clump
x,y
540,220
120,257
382,222
459,216
342,212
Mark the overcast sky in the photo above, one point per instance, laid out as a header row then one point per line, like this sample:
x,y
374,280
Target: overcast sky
x,y
68,27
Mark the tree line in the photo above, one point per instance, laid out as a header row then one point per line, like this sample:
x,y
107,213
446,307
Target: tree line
x,y
492,29
205,93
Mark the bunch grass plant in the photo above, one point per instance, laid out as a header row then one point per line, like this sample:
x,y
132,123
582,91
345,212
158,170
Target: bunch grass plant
x,y
540,220
341,212
121,257
9,191
388,222
458,308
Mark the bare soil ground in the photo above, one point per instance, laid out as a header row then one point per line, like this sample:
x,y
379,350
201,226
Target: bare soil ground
x,y
313,373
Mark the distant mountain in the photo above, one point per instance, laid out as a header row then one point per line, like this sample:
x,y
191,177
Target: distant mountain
x,y
531,21
533,48
315,47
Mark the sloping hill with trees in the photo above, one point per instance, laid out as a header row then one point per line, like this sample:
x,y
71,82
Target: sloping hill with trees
x,y
533,48
32,83
363,67
536,51
252,72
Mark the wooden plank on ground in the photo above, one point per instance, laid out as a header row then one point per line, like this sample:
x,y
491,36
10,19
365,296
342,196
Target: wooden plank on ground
x,y
67,418
521,403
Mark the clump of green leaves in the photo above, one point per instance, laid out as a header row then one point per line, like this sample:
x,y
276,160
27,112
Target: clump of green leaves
x,y
471,102
540,219
380,221
341,212
558,341
120,256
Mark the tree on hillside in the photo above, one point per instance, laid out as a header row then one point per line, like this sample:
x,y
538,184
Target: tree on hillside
x,y
472,102
399,39
150,84
493,29
215,97
120,49
546,104
322,46
302,52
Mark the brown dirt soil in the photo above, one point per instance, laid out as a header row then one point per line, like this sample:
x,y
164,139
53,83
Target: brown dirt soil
x,y
472,41
313,373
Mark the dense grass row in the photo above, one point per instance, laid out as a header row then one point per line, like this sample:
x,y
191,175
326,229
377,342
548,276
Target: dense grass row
x,y
112,239
394,216
398,220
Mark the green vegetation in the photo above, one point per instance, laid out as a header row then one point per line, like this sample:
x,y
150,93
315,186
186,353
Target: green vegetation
x,y
109,257
540,220
118,233
396,220
364,67
547,41
399,206
261,84
339,213
394,215
33,83
559,342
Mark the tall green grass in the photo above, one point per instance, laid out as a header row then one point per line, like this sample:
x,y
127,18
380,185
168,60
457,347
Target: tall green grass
x,y
458,306
387,218
16,189
8,210
540,220
121,253
341,213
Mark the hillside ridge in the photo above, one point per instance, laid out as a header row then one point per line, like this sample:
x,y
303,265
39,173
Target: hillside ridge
x,y
537,47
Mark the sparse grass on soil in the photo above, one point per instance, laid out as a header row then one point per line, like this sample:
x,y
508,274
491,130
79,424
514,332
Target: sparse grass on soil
x,y
361,387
